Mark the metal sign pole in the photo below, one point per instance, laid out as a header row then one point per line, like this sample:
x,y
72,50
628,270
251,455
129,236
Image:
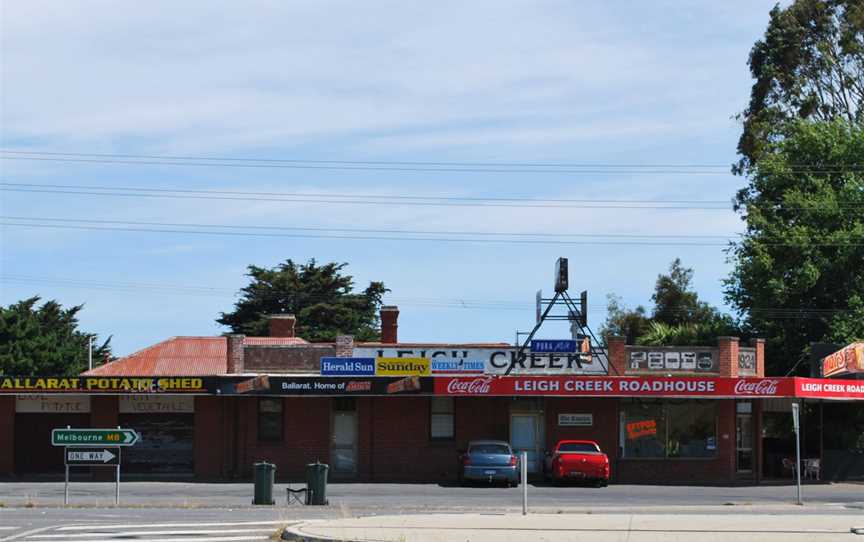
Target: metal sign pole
x,y
66,485
117,480
524,476
796,425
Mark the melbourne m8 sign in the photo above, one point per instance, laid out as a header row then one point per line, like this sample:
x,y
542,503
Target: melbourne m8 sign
x,y
91,437
615,387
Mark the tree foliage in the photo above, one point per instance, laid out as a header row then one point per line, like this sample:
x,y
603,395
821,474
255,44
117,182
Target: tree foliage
x,y
799,268
45,340
808,65
679,317
320,296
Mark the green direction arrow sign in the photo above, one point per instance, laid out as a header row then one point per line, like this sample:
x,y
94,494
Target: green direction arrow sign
x,y
89,437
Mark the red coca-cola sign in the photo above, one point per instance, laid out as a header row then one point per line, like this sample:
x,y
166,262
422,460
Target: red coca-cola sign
x,y
469,386
765,386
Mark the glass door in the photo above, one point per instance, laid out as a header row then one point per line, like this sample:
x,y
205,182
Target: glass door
x,y
526,436
343,444
744,437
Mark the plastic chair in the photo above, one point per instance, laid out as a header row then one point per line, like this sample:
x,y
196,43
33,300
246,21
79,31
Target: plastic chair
x,y
813,468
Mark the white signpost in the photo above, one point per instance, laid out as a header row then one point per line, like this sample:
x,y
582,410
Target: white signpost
x,y
796,426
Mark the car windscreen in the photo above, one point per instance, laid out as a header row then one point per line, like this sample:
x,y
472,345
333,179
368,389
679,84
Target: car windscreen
x,y
495,449
578,447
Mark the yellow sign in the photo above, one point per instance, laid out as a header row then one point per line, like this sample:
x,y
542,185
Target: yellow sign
x,y
402,367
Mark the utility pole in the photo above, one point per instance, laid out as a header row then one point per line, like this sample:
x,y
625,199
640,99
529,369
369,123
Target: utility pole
x,y
90,352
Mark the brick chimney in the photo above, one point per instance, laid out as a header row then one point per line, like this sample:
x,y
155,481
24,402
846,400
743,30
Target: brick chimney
x,y
728,356
389,325
617,355
282,325
759,345
235,353
344,346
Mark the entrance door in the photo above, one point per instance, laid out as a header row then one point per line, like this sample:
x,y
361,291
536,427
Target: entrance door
x,y
526,435
744,437
343,448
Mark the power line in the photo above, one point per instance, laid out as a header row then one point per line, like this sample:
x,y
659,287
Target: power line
x,y
430,164
365,230
228,230
400,169
349,237
389,199
381,201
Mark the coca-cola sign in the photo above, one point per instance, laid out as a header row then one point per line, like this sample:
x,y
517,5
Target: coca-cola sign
x,y
765,386
589,386
469,386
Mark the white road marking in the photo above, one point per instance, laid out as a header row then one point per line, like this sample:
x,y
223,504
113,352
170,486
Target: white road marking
x,y
7,528
155,533
195,539
169,525
18,536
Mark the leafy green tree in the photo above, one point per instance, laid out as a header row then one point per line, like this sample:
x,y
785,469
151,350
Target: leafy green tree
x,y
808,65
624,322
45,340
678,316
799,268
320,296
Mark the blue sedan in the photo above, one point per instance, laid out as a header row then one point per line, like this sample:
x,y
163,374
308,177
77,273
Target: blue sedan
x,y
490,461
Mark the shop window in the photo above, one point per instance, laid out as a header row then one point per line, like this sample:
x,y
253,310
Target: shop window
x,y
441,421
692,429
270,420
669,429
643,427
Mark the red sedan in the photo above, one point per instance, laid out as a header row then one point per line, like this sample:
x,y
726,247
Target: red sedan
x,y
579,460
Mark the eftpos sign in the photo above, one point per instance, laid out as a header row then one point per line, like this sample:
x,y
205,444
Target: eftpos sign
x,y
347,366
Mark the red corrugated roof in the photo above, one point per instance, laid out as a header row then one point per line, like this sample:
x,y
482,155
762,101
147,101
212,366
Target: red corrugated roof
x,y
182,356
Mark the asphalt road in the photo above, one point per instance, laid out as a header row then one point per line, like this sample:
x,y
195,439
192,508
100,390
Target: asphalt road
x,y
226,508
361,495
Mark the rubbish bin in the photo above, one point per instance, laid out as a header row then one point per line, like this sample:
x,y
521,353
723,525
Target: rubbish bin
x,y
264,475
316,483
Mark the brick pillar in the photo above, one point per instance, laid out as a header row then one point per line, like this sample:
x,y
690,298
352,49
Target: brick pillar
x,y
235,353
282,325
759,345
389,324
728,356
104,414
617,354
344,346
7,435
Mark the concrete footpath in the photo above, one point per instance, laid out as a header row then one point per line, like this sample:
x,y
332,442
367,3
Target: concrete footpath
x,y
583,527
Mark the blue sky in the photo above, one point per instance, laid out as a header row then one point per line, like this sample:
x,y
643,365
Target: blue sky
x,y
535,82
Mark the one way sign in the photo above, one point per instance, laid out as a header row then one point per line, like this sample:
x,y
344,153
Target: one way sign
x,y
83,457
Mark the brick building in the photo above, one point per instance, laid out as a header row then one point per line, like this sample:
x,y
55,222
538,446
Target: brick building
x,y
662,414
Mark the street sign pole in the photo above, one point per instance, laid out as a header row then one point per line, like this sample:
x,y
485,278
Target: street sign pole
x,y
797,425
117,479
524,476
66,486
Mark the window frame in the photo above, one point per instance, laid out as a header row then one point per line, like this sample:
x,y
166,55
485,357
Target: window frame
x,y
261,413
451,412
665,408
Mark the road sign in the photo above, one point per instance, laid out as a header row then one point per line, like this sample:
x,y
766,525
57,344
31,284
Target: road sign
x,y
92,457
91,437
